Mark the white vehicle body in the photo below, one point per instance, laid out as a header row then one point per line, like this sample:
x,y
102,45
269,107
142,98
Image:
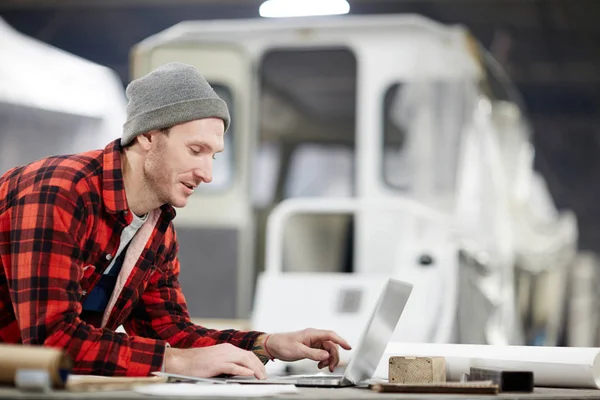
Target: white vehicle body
x,y
427,155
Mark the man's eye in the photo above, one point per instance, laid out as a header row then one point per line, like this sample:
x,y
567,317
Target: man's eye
x,y
195,152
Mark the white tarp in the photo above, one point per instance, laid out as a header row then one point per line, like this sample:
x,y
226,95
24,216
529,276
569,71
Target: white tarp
x,y
53,102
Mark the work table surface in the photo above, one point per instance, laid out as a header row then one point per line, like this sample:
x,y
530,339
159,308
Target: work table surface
x,y
314,394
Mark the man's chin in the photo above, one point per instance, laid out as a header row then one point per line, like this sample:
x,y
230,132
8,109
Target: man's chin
x,y
179,203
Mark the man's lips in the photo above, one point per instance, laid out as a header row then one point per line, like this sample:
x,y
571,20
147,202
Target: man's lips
x,y
190,187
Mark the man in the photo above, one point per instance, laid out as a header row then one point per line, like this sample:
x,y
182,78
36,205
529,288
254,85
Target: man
x,y
87,244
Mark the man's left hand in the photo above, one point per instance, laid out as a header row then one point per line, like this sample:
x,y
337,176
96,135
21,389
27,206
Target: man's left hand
x,y
315,344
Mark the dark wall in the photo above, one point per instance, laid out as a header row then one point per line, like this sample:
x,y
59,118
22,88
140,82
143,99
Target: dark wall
x,y
551,49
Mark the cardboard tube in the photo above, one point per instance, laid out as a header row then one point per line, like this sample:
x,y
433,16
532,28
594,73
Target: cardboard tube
x,y
19,358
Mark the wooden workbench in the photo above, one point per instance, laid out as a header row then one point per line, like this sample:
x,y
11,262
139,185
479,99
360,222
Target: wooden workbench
x,y
318,394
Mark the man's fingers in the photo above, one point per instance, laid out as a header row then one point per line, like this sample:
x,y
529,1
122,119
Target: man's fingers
x,y
223,358
334,354
237,370
259,367
317,355
249,360
322,335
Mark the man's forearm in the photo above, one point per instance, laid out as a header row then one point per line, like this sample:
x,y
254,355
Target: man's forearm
x,y
107,353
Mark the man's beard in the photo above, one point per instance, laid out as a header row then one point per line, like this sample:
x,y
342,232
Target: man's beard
x,y
156,176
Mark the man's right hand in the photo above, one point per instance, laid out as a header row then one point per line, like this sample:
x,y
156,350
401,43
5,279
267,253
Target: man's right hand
x,y
207,362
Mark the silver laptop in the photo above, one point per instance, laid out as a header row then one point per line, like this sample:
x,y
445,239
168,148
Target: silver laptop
x,y
374,340
368,353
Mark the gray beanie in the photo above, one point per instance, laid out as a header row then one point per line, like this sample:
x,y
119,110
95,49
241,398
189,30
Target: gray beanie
x,y
170,95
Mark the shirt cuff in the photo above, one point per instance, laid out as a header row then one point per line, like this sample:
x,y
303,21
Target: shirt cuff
x,y
162,369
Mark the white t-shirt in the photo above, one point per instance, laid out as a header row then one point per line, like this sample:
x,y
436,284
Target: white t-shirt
x,y
126,236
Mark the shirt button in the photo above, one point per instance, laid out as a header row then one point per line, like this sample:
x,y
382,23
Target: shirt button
x,y
109,257
125,212
84,292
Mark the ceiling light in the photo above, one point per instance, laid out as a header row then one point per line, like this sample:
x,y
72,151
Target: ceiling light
x,y
301,8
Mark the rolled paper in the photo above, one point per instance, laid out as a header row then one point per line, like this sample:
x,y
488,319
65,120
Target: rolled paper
x,y
24,366
569,367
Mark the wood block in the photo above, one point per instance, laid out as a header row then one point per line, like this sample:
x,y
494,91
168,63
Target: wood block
x,y
409,369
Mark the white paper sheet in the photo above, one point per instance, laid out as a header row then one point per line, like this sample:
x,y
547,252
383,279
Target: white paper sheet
x,y
228,390
575,367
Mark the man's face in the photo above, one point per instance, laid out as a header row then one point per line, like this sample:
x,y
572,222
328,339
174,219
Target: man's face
x,y
178,162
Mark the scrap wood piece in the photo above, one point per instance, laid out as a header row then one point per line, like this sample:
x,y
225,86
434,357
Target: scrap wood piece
x,y
411,369
89,383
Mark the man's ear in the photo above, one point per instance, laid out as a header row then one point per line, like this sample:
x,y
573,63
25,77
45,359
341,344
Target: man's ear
x,y
145,140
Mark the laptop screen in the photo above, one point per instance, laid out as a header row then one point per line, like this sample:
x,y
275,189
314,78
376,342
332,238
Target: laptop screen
x,y
378,331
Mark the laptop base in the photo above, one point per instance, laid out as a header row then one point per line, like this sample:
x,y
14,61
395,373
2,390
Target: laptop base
x,y
323,382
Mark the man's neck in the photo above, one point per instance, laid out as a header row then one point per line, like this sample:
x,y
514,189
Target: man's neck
x,y
139,197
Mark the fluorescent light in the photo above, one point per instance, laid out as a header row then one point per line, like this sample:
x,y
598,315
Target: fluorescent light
x,y
301,8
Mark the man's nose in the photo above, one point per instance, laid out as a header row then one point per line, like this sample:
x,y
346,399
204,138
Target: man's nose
x,y
204,174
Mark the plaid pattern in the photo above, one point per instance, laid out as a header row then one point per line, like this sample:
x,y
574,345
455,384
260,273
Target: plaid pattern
x,y
60,223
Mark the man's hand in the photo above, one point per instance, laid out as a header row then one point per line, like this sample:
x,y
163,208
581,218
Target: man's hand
x,y
314,344
206,362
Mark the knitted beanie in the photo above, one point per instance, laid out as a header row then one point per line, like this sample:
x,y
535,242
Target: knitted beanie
x,y
170,95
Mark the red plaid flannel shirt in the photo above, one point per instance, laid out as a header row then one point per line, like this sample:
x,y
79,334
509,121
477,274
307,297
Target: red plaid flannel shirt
x,y
61,214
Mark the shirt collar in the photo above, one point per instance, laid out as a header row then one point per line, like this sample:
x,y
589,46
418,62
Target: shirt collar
x,y
113,187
